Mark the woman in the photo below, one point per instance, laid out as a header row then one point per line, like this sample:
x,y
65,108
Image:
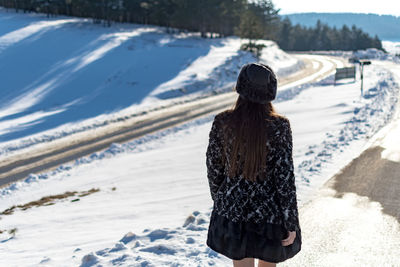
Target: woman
x,y
250,173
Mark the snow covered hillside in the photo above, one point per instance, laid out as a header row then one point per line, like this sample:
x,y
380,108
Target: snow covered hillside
x,y
57,72
149,202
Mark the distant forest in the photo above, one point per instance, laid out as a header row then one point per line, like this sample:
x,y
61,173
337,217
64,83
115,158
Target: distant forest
x,y
387,27
323,37
212,18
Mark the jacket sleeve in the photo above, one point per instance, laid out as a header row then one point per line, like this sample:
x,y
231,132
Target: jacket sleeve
x,y
285,180
214,162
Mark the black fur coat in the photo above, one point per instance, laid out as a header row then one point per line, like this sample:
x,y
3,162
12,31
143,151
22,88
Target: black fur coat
x,y
262,206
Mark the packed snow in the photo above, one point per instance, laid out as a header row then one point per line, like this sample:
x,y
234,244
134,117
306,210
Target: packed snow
x,y
153,205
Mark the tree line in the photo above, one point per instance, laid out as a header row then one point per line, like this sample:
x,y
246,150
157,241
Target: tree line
x,y
322,37
212,18
220,17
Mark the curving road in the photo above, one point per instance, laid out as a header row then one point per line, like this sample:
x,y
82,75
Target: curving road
x,y
46,156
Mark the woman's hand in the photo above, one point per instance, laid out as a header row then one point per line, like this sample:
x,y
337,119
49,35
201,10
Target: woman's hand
x,y
289,240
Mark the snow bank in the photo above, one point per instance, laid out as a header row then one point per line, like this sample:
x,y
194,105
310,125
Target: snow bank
x,y
370,53
369,114
373,53
391,47
161,247
283,63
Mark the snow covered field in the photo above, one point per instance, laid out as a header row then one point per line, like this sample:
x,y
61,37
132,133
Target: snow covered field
x,y
52,86
147,203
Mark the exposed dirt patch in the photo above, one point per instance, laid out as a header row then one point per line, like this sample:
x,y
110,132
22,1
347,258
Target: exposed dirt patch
x,y
49,200
12,231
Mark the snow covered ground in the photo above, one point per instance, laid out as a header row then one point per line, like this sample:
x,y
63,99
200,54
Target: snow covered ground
x,y
147,203
153,204
391,47
64,75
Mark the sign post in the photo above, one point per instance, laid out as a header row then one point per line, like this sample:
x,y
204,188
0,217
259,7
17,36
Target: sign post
x,y
362,63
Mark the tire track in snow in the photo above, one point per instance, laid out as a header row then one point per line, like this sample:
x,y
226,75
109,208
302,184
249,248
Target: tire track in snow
x,y
51,155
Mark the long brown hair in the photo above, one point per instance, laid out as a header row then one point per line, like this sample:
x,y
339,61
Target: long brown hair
x,y
248,126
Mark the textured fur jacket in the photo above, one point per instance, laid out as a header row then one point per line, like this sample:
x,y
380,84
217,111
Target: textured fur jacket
x,y
272,198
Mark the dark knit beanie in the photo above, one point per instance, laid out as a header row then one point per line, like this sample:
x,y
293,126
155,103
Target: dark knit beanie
x,y
257,83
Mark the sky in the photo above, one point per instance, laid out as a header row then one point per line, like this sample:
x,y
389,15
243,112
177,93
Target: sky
x,y
382,7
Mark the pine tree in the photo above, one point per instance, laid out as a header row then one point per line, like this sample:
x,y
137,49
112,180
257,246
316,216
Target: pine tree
x,y
285,37
250,27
